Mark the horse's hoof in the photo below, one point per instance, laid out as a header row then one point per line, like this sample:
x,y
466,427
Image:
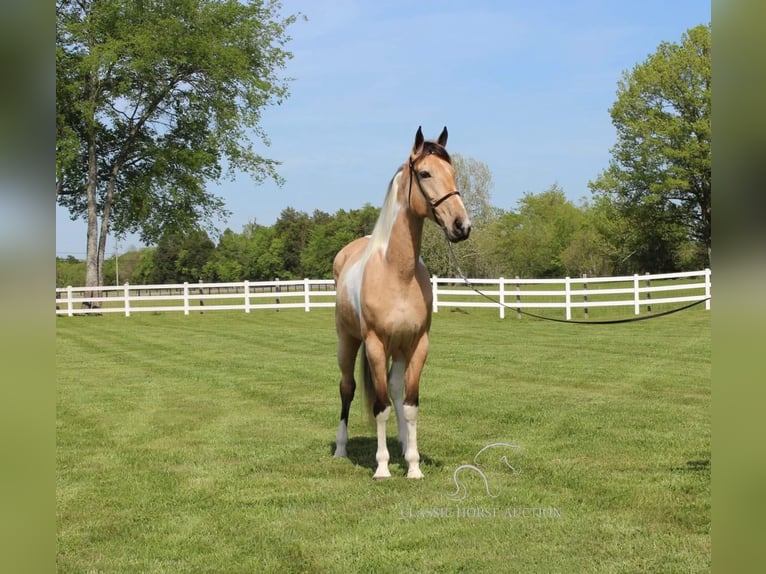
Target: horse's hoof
x,y
340,453
414,473
381,473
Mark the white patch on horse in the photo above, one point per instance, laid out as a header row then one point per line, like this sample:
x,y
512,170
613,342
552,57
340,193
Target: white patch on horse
x,y
353,282
381,456
411,454
381,233
341,440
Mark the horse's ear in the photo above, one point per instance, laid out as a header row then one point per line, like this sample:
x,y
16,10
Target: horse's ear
x,y
418,141
442,141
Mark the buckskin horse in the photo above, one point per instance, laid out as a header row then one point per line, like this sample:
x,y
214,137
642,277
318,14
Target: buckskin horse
x,y
384,298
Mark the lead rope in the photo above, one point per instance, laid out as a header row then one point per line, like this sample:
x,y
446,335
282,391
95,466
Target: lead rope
x,y
605,322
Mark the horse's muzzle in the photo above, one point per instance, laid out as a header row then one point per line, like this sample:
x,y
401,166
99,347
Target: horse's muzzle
x,y
460,230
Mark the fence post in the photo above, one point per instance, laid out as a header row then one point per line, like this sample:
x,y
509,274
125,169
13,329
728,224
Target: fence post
x,y
585,296
435,292
707,289
636,300
502,298
518,297
186,298
69,301
648,293
568,297
247,296
277,288
126,296
306,292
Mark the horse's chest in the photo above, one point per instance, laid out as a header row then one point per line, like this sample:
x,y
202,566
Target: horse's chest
x,y
404,310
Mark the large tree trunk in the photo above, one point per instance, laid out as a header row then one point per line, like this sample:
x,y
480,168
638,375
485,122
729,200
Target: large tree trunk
x,y
91,257
106,212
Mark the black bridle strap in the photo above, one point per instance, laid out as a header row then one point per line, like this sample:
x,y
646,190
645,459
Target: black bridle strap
x,y
442,199
432,203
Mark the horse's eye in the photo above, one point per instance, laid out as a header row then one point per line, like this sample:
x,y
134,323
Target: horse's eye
x,y
424,174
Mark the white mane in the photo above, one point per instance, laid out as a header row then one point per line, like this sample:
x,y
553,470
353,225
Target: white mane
x,y
385,223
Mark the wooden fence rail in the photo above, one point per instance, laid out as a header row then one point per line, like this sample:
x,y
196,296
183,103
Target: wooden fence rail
x,y
570,293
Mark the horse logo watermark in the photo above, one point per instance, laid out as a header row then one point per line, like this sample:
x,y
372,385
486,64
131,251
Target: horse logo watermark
x,y
486,462
461,489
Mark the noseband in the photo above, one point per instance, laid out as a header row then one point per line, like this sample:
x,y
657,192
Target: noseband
x,y
432,203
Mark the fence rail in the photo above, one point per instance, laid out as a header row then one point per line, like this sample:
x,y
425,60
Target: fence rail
x,y
586,293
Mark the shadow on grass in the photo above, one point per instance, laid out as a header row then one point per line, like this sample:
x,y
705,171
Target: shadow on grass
x,y
361,451
695,465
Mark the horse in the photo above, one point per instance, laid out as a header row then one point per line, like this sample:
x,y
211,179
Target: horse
x,y
384,299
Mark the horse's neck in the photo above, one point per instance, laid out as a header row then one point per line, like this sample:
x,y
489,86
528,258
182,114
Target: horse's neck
x,y
403,251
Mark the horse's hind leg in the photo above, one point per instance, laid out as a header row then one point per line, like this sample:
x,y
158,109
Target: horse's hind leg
x,y
347,350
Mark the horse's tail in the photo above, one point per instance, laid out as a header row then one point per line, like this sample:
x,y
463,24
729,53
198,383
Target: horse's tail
x,y
369,385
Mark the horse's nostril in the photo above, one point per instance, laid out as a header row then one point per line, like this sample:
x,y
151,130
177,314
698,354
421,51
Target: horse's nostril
x,y
462,229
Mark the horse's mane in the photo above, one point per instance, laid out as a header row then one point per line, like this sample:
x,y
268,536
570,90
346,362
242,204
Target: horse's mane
x,y
382,230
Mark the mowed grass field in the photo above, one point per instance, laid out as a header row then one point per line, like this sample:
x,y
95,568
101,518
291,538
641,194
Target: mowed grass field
x,y
203,443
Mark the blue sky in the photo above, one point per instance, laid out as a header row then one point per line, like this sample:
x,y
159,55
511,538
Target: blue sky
x,y
524,87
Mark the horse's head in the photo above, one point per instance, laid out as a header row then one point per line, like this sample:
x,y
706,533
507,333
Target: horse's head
x,y
432,175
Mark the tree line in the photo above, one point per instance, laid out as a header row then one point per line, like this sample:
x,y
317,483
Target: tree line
x,y
547,235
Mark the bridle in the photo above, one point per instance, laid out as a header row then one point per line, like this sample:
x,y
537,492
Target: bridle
x,y
429,201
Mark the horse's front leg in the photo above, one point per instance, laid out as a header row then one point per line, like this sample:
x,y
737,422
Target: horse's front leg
x,y
381,405
410,409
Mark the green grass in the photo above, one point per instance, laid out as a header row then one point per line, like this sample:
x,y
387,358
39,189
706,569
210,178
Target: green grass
x,y
203,443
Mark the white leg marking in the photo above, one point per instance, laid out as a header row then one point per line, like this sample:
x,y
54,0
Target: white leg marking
x,y
382,455
396,392
411,455
341,439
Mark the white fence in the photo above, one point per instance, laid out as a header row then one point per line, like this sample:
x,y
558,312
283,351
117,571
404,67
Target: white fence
x,y
586,293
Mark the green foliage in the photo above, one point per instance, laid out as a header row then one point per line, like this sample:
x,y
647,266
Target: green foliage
x,y
659,178
70,271
152,99
231,259
530,242
144,271
181,257
331,235
201,444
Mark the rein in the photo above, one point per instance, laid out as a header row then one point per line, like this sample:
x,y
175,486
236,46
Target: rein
x,y
605,322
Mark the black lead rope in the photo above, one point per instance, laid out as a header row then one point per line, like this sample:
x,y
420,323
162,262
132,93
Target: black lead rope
x,y
604,322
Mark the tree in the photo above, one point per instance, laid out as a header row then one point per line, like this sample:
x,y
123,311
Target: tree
x,y
474,181
329,233
596,247
229,261
292,231
659,176
151,99
181,257
69,271
530,242
144,271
